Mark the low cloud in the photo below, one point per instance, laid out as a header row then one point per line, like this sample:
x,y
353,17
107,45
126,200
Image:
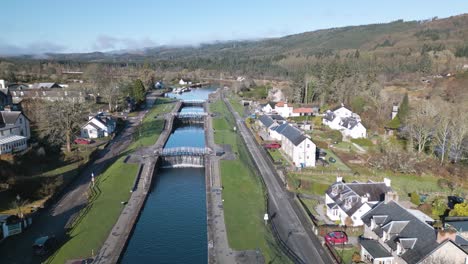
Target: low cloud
x,y
34,48
106,43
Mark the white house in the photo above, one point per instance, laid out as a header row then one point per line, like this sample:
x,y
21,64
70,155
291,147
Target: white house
x,y
299,148
392,235
14,131
184,82
99,125
9,225
283,109
267,108
352,200
347,122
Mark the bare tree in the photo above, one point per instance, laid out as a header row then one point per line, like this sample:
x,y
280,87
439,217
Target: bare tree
x,y
442,129
458,132
421,124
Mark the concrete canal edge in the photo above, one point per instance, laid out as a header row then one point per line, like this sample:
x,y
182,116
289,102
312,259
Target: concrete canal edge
x,y
112,249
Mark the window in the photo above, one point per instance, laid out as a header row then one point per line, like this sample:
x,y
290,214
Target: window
x,y
308,145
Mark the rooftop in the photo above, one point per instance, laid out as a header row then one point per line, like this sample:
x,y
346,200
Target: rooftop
x,y
375,248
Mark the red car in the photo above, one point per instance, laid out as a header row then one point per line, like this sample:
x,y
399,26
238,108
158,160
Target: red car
x,y
272,146
336,237
83,141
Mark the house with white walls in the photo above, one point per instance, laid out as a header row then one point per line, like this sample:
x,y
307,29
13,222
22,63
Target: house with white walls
x,y
267,108
99,125
298,146
283,109
347,202
347,122
14,131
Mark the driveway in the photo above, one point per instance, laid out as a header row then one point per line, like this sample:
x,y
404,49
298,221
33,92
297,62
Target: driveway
x,y
17,249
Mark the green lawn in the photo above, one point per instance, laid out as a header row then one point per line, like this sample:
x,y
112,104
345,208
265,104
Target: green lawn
x,y
346,254
94,225
150,129
243,194
278,157
235,102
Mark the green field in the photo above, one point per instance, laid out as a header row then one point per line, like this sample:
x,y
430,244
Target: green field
x,y
243,194
94,223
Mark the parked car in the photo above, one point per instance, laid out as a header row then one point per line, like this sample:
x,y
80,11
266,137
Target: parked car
x,y
336,237
83,141
332,160
44,245
453,200
272,145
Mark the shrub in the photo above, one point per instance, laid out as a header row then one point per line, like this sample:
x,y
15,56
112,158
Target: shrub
x,y
439,206
415,198
356,258
460,210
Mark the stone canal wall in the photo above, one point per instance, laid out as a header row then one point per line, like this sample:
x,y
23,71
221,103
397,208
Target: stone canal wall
x,y
113,247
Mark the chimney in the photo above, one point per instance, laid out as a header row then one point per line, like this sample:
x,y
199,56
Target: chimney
x,y
365,198
390,196
444,234
387,182
339,179
342,105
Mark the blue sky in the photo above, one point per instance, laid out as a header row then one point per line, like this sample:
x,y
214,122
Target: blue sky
x,y
38,26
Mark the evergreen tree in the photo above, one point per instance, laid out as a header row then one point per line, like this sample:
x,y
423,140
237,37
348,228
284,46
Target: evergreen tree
x,y
139,91
403,110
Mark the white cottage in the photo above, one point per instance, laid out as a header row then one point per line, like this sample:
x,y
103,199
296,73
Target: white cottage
x,y
99,125
347,122
283,109
353,200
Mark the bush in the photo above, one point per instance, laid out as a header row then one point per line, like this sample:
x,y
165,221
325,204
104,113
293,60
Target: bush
x,y
439,207
415,198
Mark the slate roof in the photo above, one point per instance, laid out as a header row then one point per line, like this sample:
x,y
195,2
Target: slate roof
x,y
408,226
8,117
293,134
348,195
374,248
266,120
279,129
277,118
460,226
329,116
4,91
349,122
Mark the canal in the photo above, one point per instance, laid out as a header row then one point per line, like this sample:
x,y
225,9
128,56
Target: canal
x,y
172,226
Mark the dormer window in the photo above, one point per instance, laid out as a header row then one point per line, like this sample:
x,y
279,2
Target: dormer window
x,y
399,249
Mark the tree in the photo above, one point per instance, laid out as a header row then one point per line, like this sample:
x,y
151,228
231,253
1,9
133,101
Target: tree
x,y
460,209
138,91
458,133
442,130
403,110
439,206
421,125
61,121
415,199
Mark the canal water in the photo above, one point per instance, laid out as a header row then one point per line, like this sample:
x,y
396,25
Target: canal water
x,y
172,227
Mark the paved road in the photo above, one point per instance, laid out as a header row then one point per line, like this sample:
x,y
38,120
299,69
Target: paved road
x,y
17,249
291,223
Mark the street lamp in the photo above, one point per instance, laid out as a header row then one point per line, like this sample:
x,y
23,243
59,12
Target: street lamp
x,y
18,206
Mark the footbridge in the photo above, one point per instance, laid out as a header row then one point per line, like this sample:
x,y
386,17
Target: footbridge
x,y
193,103
183,157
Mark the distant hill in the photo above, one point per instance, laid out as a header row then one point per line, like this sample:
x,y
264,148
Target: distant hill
x,y
396,36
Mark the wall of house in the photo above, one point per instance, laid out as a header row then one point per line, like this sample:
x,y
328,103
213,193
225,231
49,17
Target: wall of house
x,y
359,131
356,217
365,256
447,253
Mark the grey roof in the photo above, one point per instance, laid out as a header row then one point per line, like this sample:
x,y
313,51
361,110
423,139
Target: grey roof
x,y
266,120
349,122
294,135
329,115
277,117
374,248
460,226
348,195
279,129
424,234
8,117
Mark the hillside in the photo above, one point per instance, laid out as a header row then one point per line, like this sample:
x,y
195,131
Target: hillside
x,y
396,36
